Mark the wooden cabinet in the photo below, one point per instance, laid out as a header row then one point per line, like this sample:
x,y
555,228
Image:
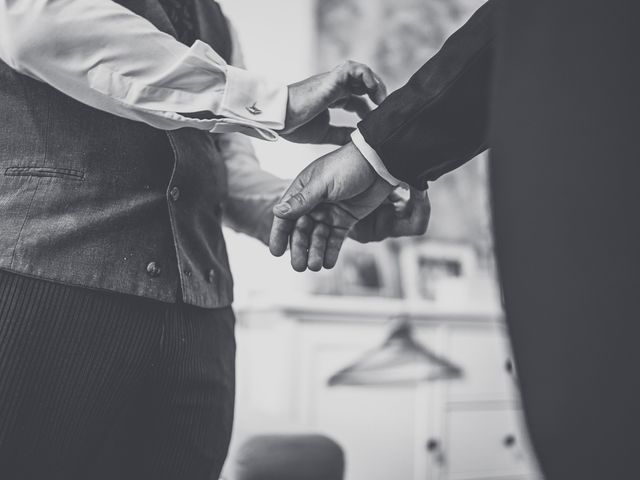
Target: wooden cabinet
x,y
467,429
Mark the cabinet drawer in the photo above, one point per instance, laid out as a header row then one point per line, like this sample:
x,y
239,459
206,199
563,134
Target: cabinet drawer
x,y
484,355
486,444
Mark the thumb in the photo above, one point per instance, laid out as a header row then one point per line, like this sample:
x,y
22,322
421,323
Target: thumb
x,y
299,199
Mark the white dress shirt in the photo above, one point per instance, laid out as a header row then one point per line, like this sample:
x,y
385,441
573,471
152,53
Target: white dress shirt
x,y
105,56
102,54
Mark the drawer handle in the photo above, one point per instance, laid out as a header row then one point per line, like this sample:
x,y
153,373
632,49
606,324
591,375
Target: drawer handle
x,y
509,441
508,366
433,445
434,448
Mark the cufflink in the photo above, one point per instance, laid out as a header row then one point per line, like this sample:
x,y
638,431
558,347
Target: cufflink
x,y
253,110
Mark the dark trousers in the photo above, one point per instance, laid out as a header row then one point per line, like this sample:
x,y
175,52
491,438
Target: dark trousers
x,y
566,197
95,385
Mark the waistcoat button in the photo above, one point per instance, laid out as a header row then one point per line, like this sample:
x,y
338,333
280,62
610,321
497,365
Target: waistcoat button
x,y
174,193
153,269
211,276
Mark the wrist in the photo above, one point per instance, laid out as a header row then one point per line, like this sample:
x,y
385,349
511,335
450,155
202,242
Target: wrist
x,y
308,99
359,166
373,158
298,109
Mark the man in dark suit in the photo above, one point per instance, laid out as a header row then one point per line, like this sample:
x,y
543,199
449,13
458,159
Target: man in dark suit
x,y
552,88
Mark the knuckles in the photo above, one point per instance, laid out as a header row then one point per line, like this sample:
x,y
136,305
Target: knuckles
x,y
299,199
351,66
304,225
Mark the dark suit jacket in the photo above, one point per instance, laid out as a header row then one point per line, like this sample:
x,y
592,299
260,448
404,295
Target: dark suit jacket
x,y
553,87
439,119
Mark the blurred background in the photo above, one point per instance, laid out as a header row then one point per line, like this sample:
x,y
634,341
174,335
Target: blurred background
x,y
396,364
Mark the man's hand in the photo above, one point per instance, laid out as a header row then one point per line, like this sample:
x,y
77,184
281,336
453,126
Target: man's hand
x,y
322,205
332,196
344,87
396,217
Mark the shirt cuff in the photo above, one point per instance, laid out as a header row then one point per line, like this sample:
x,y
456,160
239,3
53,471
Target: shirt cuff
x,y
373,158
254,100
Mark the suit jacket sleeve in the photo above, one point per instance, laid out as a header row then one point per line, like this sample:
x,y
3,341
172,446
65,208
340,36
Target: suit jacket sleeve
x,y
439,119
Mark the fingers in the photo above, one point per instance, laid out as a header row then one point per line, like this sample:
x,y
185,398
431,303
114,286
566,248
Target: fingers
x,y
396,196
400,199
319,239
341,135
357,105
334,244
420,212
312,96
380,93
301,196
362,80
300,243
375,88
338,135
314,244
307,191
281,229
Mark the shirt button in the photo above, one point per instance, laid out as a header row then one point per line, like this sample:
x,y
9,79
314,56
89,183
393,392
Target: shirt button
x,y
153,269
211,276
174,193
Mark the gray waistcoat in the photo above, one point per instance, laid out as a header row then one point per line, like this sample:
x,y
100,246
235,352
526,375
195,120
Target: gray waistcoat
x,y
91,199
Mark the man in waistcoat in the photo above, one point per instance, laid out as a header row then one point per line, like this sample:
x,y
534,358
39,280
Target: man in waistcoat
x,y
120,154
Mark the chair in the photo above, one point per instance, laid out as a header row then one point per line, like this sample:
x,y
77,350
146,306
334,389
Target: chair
x,y
289,457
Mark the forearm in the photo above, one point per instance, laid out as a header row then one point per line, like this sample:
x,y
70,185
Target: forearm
x,y
252,191
439,119
106,56
252,215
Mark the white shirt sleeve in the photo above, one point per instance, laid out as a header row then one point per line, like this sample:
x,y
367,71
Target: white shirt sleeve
x,y
104,55
373,158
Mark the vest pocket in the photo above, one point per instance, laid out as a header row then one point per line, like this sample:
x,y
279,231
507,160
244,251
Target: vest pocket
x,y
44,172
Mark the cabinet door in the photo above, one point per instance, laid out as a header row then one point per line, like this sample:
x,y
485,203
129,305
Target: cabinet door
x,y
484,355
379,427
487,443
